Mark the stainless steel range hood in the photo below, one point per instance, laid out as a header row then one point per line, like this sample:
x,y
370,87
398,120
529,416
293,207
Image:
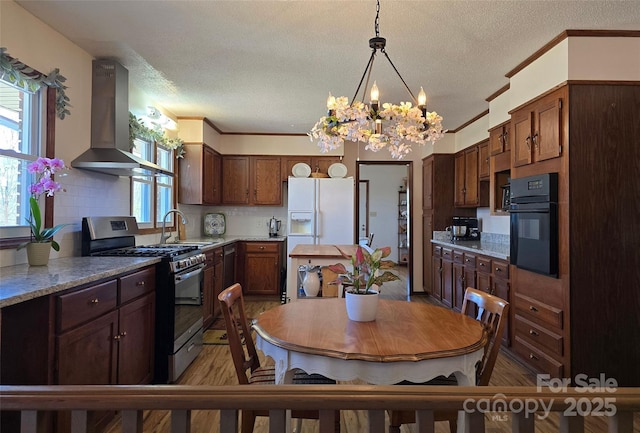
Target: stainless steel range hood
x,y
109,152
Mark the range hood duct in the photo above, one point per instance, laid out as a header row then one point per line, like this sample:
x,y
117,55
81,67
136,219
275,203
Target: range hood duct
x,y
109,152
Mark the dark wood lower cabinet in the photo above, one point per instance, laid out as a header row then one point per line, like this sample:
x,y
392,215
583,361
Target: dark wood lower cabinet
x,y
259,267
447,282
454,270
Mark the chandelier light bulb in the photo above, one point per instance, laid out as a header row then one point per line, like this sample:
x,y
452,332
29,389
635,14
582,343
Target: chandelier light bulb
x,y
422,98
375,93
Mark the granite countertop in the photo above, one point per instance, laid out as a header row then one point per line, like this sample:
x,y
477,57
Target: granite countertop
x,y
20,283
493,246
23,282
207,243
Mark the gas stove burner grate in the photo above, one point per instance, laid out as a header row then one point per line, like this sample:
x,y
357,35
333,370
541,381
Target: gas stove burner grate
x,y
149,251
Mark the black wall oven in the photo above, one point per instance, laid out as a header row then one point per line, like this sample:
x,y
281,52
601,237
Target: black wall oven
x,y
534,223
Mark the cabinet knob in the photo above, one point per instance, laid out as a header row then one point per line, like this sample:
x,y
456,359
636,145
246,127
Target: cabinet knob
x,y
532,356
528,142
532,332
140,283
482,264
498,270
262,248
532,308
94,301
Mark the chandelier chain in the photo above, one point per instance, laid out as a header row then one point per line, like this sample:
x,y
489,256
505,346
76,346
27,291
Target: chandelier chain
x,y
377,21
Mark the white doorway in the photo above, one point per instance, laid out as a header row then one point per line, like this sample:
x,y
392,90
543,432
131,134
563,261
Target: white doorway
x,y
382,203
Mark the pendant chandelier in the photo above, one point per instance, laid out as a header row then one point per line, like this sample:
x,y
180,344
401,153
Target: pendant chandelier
x,y
396,127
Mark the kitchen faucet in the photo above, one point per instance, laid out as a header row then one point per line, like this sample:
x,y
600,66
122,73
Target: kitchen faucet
x,y
164,238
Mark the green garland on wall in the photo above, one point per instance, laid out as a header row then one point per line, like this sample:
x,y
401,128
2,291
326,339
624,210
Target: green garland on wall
x,y
138,130
30,80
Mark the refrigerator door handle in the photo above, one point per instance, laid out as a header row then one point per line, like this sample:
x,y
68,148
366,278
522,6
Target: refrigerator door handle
x,y
317,228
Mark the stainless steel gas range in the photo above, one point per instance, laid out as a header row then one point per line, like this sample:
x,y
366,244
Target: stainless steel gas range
x,y
179,315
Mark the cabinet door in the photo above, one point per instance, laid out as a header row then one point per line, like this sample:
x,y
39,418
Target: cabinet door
x,y
496,140
266,184
427,253
235,175
207,178
218,287
447,283
208,282
507,137
436,287
483,161
500,289
87,355
471,190
521,149
261,274
458,286
216,182
427,183
136,331
547,138
483,282
459,180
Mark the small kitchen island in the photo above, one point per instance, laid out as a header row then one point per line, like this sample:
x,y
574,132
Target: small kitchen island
x,y
316,255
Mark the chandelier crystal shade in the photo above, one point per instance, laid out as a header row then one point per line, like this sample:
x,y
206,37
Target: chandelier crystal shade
x,y
396,127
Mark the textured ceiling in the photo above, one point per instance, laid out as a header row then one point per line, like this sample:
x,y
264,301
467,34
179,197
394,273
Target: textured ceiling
x,y
267,67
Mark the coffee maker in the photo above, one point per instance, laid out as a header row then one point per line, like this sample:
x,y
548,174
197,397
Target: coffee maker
x,y
465,229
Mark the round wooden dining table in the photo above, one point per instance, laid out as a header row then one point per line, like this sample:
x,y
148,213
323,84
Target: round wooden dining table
x,y
410,341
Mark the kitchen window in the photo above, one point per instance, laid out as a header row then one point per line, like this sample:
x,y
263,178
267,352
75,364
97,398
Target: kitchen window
x,y
22,122
152,196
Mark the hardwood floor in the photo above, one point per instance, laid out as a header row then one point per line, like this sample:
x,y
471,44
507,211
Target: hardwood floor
x,y
214,367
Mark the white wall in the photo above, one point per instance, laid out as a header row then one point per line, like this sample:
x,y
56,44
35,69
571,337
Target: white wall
x,y
87,193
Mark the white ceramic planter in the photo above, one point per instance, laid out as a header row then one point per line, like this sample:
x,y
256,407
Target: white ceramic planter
x,y
38,253
362,308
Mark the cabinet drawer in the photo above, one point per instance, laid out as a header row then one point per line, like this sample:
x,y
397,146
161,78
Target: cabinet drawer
x,y
500,269
86,304
261,247
538,336
483,264
437,251
458,257
137,284
469,260
447,253
538,311
537,359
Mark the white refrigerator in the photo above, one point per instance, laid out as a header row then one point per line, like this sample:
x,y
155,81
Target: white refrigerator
x,y
320,211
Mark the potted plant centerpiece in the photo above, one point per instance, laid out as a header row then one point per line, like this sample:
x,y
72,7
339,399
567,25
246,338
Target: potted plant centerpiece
x,y
362,284
41,242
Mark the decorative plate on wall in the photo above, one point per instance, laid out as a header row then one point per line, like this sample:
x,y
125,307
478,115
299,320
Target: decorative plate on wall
x,y
214,224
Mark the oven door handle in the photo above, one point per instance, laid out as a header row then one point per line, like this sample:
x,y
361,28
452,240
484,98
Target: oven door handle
x,y
182,277
538,210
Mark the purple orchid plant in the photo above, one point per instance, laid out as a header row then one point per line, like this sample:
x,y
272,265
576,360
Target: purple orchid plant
x,y
43,168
